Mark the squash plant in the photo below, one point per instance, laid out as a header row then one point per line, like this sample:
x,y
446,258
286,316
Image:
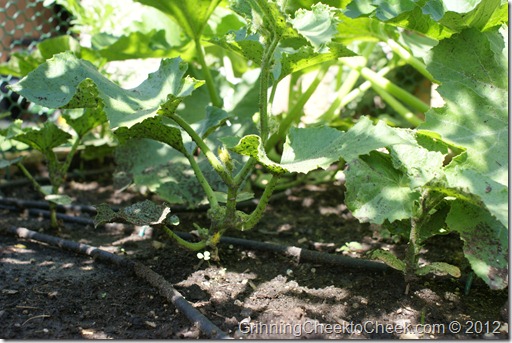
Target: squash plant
x,y
45,140
443,176
455,178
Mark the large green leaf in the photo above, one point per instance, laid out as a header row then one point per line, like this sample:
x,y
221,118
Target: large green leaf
x,y
83,121
318,147
475,115
44,139
384,187
317,25
65,80
192,16
376,191
485,242
153,128
437,19
134,45
267,18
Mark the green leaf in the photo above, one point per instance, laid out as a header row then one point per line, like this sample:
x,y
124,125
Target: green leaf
x,y
83,121
439,268
215,117
66,81
306,57
388,258
485,242
243,43
376,191
288,60
437,19
44,139
267,18
318,147
153,128
6,163
475,116
419,164
166,173
141,213
192,16
59,199
318,26
55,45
136,45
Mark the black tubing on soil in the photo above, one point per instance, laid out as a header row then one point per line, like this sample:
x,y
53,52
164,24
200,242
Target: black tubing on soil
x,y
300,254
153,278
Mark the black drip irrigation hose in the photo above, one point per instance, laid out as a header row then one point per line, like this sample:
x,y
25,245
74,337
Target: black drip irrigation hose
x,y
43,205
72,175
153,278
299,254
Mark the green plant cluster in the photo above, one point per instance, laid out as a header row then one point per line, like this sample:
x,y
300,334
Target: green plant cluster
x,y
196,129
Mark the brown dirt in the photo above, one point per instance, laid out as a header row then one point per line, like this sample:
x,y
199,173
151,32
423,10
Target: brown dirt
x,y
46,293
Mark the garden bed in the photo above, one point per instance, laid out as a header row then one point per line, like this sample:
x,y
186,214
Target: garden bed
x,y
49,293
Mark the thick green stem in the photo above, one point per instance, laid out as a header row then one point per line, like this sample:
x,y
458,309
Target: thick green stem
x,y
194,246
363,87
214,161
230,217
411,256
398,107
410,59
266,64
215,98
256,215
210,195
296,111
389,86
342,101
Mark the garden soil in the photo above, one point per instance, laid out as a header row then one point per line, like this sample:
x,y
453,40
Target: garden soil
x,y
48,293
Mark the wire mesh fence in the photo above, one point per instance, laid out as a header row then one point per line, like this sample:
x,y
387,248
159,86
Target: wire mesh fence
x,y
23,24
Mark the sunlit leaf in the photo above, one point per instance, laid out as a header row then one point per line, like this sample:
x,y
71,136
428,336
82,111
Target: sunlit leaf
x,y
66,81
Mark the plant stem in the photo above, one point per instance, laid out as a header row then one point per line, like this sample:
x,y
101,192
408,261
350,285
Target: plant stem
x,y
256,215
242,174
214,97
398,107
52,206
348,84
29,176
363,87
194,246
344,99
210,195
410,59
297,110
214,161
389,86
266,64
69,157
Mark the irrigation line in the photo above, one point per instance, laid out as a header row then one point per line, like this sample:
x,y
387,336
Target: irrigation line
x,y
299,254
154,279
72,175
302,255
43,205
